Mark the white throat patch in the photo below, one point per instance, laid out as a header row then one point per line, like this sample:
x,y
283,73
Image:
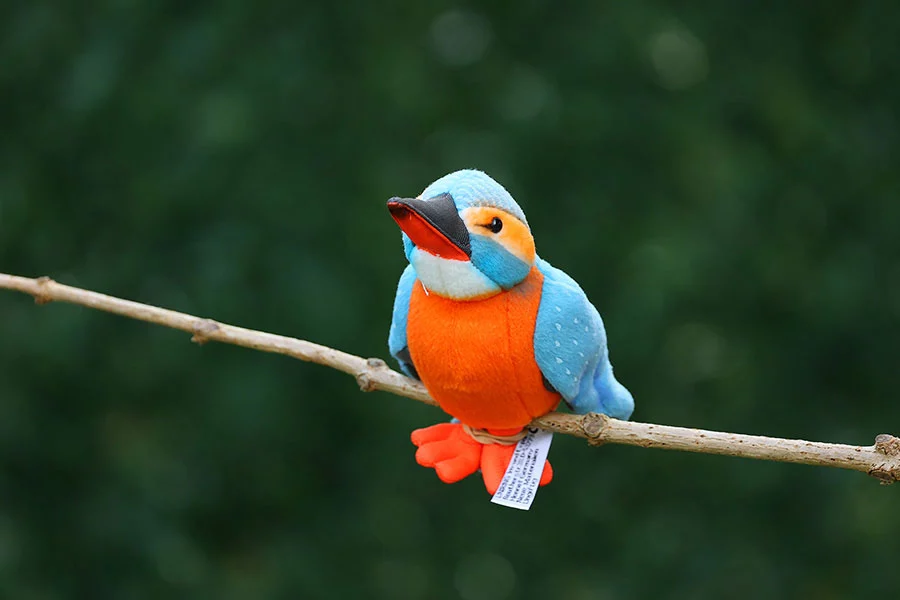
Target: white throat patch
x,y
454,279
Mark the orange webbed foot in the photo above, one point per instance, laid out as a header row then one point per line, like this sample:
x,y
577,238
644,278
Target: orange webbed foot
x,y
494,461
448,449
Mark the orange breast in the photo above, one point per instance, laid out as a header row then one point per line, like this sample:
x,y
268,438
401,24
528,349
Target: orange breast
x,y
477,358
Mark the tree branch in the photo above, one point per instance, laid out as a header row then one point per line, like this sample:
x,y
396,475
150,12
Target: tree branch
x,y
881,460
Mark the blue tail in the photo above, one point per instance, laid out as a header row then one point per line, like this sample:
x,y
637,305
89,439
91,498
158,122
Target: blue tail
x,y
615,399
601,393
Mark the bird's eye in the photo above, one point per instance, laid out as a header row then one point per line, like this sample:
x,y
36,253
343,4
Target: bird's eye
x,y
495,225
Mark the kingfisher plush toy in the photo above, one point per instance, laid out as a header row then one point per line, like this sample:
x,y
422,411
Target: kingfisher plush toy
x,y
497,335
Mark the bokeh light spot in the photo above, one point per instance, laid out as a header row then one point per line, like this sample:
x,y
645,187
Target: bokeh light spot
x,y
460,37
679,58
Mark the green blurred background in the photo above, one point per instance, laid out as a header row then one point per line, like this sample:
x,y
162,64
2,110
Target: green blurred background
x,y
721,179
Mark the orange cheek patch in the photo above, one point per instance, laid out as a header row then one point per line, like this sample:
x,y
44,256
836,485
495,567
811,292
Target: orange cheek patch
x,y
514,236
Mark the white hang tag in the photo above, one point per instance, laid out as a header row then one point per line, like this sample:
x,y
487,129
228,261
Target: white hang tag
x,y
523,474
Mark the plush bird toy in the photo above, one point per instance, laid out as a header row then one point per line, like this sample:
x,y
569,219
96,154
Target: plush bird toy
x,y
496,334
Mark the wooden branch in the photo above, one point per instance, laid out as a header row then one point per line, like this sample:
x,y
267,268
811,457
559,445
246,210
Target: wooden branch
x,y
881,460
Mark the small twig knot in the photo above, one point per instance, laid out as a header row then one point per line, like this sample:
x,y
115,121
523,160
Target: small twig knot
x,y
593,425
202,330
365,381
887,444
40,297
889,471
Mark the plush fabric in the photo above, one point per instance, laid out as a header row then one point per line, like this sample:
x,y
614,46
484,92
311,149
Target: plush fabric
x,y
470,187
454,279
497,263
494,461
397,336
454,455
446,448
570,348
497,339
479,363
514,236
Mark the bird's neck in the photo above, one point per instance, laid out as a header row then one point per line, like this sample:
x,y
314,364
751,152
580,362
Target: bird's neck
x,y
452,279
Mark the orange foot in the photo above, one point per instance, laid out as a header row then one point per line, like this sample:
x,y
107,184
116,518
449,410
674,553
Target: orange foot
x,y
450,450
454,455
494,460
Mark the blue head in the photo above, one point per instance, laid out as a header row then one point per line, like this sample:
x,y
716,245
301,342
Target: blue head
x,y
465,236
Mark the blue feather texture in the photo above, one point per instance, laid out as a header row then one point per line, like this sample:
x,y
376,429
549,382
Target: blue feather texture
x,y
570,348
397,344
471,188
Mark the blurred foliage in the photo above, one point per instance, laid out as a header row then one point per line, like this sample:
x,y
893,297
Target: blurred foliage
x,y
722,180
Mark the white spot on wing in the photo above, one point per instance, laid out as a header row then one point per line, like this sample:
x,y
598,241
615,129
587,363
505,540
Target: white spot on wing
x,y
558,360
559,327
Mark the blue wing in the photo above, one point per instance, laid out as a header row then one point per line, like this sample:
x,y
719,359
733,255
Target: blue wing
x,y
397,343
570,348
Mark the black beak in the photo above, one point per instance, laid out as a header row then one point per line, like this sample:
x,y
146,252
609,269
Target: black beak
x,y
433,225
